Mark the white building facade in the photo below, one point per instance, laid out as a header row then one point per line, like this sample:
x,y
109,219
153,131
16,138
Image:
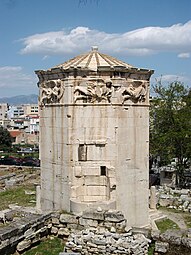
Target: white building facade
x,y
94,136
34,124
15,111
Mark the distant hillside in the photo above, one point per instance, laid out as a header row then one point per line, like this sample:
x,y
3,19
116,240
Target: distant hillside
x,y
22,99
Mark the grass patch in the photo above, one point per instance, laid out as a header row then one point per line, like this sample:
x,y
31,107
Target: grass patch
x,y
17,196
151,249
166,224
51,246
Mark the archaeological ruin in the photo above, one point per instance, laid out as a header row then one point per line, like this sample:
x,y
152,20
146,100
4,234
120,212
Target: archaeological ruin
x,y
94,144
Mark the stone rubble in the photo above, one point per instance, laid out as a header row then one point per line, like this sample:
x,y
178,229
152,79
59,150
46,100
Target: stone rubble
x,y
13,176
171,237
93,232
161,247
174,198
105,232
94,242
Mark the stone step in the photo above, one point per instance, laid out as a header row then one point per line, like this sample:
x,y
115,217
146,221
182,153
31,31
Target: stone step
x,y
156,214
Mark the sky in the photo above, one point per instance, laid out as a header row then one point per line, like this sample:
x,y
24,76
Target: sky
x,y
40,34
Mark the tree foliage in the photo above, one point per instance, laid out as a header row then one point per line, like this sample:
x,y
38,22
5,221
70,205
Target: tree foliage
x,y
5,139
170,124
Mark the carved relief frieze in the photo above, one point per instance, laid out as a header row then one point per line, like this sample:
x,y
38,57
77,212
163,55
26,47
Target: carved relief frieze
x,y
93,91
135,91
105,91
51,92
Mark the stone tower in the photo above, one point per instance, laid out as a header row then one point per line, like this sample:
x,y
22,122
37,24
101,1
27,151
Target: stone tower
x,y
94,144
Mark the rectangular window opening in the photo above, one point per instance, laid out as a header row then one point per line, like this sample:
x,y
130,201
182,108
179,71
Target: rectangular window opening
x,y
82,152
103,170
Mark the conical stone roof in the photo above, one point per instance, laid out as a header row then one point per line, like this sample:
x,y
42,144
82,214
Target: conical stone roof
x,y
92,61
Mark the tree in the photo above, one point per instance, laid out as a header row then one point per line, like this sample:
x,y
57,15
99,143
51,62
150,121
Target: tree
x,y
170,125
5,139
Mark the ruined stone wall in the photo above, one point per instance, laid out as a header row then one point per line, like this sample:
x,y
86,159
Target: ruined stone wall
x,y
172,242
22,233
95,231
178,199
12,176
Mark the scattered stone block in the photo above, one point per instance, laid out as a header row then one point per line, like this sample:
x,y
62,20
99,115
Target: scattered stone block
x,y
23,245
114,216
54,230
67,218
92,214
63,232
161,247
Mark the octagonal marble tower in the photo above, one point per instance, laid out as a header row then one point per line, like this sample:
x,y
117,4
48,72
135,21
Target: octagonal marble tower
x,y
94,136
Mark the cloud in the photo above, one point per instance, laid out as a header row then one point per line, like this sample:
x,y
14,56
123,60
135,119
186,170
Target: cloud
x,y
168,78
184,55
143,41
45,57
14,77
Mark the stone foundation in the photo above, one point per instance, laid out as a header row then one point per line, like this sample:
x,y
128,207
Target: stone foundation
x,y
94,232
21,234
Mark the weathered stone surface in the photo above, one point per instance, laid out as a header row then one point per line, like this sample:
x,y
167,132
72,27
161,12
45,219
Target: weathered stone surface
x,y
74,226
67,218
114,216
4,244
113,229
121,225
155,234
108,243
54,230
63,232
186,241
108,224
161,247
23,245
55,220
153,199
174,199
7,232
9,215
172,236
29,232
189,232
93,214
166,200
88,222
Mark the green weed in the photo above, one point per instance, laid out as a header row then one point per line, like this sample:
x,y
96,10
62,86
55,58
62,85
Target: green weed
x,y
51,246
166,224
17,196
